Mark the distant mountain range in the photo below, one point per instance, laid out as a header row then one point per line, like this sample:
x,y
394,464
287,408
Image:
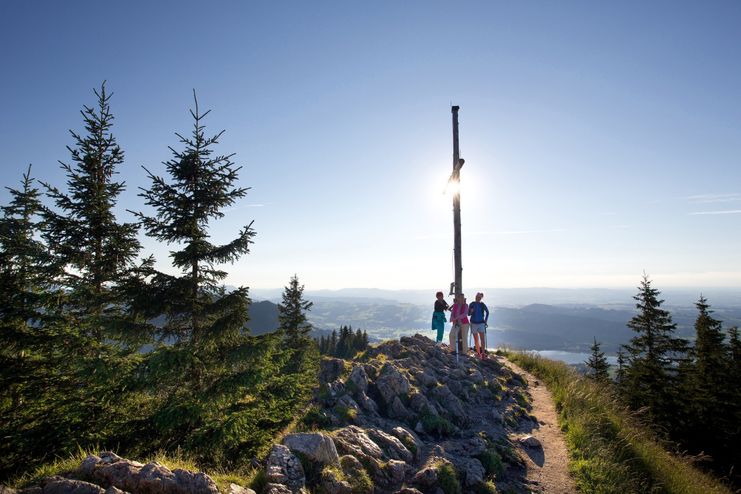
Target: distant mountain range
x,y
568,326
518,297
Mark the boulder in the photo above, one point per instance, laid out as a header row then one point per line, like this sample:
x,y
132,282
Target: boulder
x,y
418,402
238,489
392,446
109,457
359,379
391,383
470,446
354,441
330,369
530,442
367,403
475,376
408,439
426,477
271,488
120,473
31,490
397,410
87,467
69,486
4,489
282,467
347,402
408,490
114,490
471,471
330,484
194,483
316,446
397,471
447,400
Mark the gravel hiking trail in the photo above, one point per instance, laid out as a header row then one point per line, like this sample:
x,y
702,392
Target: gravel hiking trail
x,y
547,467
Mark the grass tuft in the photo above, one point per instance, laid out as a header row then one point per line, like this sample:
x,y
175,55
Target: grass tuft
x,y
447,479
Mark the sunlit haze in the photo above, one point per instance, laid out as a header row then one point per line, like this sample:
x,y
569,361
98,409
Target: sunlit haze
x,y
601,140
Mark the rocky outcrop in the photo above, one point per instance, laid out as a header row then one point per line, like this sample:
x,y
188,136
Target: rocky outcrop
x,y
107,473
316,447
407,417
411,418
284,468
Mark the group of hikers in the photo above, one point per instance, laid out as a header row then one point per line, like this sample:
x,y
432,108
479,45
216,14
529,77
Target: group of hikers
x,y
460,312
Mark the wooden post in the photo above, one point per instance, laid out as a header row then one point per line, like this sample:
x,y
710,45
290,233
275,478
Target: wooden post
x,y
457,162
456,177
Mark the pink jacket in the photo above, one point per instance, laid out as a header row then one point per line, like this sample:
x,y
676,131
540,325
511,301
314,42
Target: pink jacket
x,y
460,316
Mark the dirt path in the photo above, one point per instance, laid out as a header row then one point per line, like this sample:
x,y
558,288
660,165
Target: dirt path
x,y
547,468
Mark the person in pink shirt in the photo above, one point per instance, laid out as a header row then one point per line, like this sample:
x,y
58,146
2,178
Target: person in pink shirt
x,y
459,318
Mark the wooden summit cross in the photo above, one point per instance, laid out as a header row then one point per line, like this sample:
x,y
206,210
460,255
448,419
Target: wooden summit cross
x,y
457,285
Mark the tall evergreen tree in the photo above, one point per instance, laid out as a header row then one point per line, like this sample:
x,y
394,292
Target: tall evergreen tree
x,y
292,313
23,275
652,353
597,364
94,250
213,362
710,366
620,373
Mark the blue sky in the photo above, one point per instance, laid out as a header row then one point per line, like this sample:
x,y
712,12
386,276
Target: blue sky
x,y
601,139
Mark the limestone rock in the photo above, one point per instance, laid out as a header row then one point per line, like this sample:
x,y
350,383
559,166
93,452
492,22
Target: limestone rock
x,y
330,369
367,403
471,446
397,471
530,442
446,399
426,477
398,410
359,379
194,483
238,489
315,446
391,383
409,440
284,468
87,467
330,484
114,490
4,489
69,486
109,457
393,447
123,474
471,470
354,440
271,488
31,490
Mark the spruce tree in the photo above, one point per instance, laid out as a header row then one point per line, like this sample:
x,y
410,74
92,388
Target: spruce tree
x,y
650,374
94,251
332,344
212,361
620,373
25,367
597,364
292,313
709,366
